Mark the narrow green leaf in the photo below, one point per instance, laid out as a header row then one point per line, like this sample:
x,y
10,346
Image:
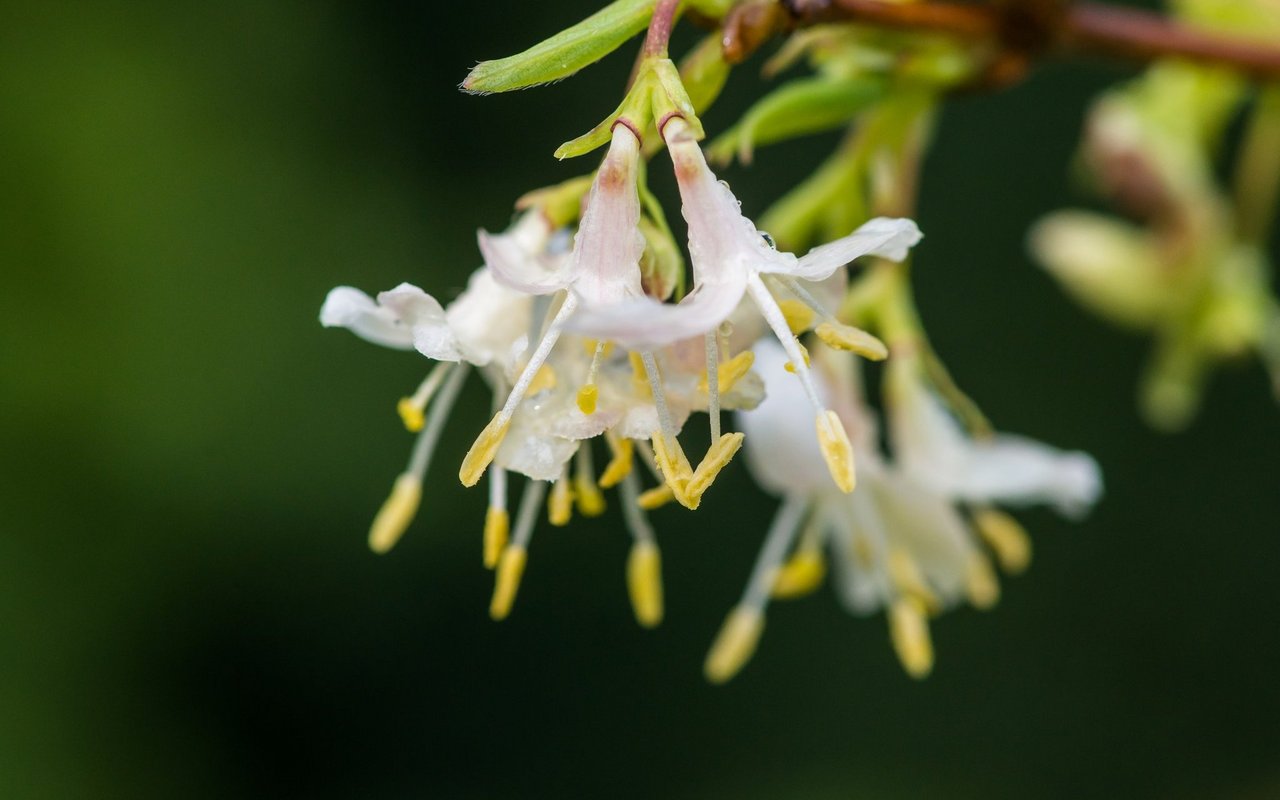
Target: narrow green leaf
x,y
565,53
802,107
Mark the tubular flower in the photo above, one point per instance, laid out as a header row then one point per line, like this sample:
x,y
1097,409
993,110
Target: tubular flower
x,y
899,542
603,272
732,259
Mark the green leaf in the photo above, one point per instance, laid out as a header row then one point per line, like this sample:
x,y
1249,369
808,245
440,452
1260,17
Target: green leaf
x,y
565,53
802,107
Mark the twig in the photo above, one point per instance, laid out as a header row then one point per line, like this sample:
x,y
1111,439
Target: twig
x,y
1073,29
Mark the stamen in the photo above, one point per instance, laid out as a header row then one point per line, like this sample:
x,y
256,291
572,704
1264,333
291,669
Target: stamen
x,y
1006,538
741,631
802,574
836,450
806,568
847,337
657,497
587,398
511,564
644,563
670,458
497,523
734,645
730,372
909,631
589,394
619,466
411,409
560,504
909,580
486,445
543,379
639,377
400,507
798,315
396,513
674,469
716,459
589,499
713,383
980,583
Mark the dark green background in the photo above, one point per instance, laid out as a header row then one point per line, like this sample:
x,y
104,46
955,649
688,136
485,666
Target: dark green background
x,y
188,462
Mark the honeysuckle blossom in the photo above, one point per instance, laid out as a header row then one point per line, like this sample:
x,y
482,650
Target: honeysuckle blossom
x,y
732,259
930,446
600,274
602,268
898,542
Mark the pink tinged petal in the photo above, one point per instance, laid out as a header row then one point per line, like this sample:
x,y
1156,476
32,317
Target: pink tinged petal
x,y
644,323
518,267
605,263
722,242
882,236
350,308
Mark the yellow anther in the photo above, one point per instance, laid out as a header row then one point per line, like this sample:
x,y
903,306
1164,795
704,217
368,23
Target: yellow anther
x,y
675,469
543,379
587,397
507,581
804,352
560,503
836,450
906,576
909,631
620,466
588,496
716,459
497,526
396,513
1006,537
847,337
590,345
639,376
644,583
798,315
729,372
980,583
411,414
482,451
800,575
734,645
657,497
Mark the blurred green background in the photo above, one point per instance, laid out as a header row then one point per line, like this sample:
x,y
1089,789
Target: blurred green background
x,y
188,462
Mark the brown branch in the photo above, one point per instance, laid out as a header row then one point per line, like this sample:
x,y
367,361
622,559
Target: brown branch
x,y
1048,28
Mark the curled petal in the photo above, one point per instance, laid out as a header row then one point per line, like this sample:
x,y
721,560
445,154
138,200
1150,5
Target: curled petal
x,y
886,237
350,308
518,267
646,323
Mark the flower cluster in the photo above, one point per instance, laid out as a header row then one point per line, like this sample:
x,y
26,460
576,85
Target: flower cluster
x,y
578,326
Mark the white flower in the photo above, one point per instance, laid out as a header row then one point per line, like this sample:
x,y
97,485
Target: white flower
x,y
930,446
484,323
731,258
899,542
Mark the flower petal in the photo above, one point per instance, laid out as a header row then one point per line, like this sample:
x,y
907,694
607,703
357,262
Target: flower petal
x,y
605,264
488,318
644,323
517,258
350,308
886,237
